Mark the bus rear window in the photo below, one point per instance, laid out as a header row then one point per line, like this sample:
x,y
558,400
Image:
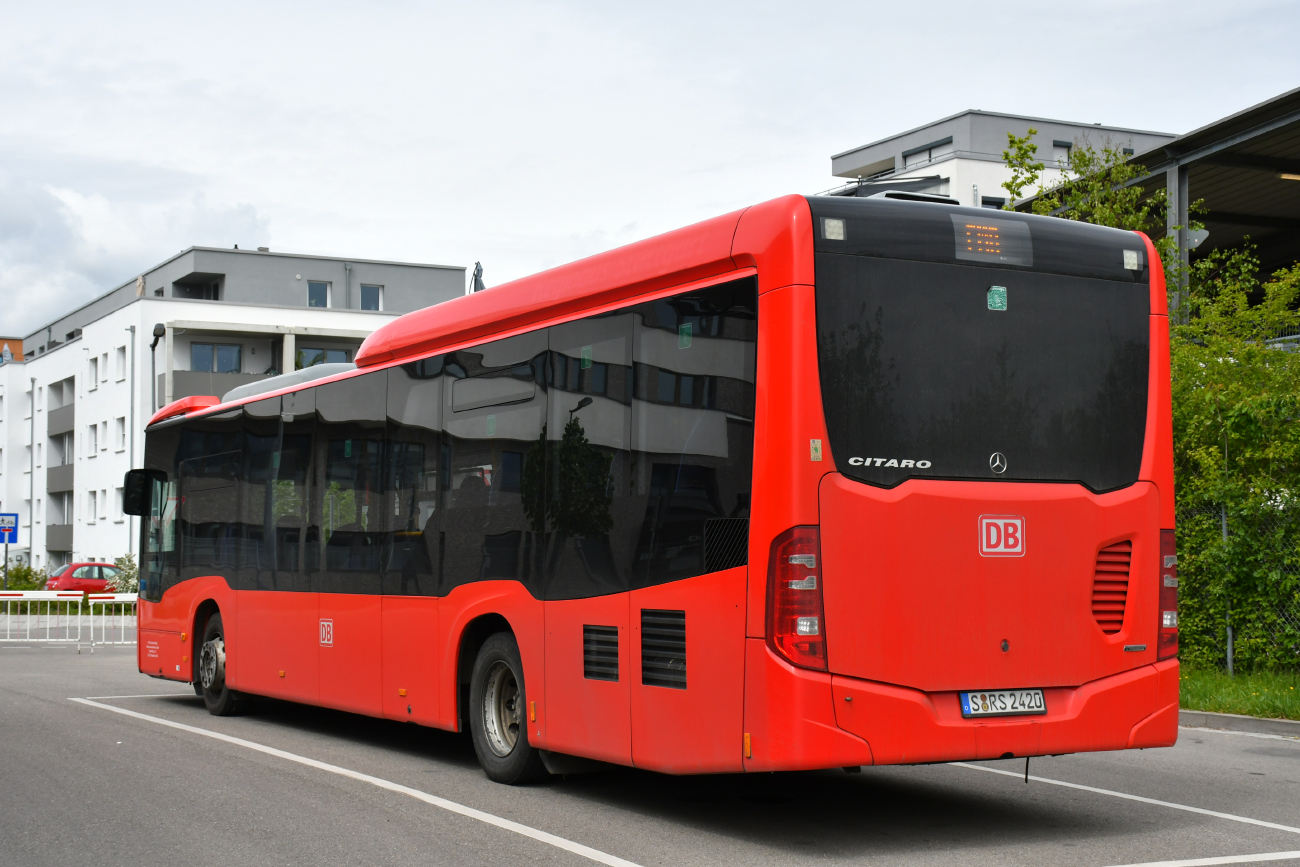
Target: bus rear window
x,y
955,371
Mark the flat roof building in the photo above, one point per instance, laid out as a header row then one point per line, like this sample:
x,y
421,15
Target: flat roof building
x,y
961,156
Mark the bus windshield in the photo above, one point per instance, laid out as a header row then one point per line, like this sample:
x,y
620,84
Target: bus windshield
x,y
976,365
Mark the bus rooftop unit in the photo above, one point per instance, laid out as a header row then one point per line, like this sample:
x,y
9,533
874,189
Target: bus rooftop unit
x,y
821,483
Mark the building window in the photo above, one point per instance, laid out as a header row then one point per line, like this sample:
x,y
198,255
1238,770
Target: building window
x,y
120,371
103,504
94,374
991,202
318,294
309,356
91,505
216,357
117,505
93,441
121,433
372,297
103,367
103,439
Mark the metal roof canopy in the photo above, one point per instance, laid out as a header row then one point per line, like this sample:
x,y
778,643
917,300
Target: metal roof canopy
x,y
1236,166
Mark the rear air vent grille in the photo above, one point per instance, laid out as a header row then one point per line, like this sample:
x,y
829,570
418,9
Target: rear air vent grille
x,y
600,652
663,648
1110,586
726,543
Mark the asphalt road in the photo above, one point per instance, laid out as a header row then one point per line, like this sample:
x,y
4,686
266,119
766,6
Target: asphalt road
x,y
82,784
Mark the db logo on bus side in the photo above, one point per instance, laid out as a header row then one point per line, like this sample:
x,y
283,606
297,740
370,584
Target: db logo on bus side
x,y
327,633
1002,536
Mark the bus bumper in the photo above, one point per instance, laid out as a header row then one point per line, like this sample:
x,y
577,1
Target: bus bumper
x,y
800,720
1134,709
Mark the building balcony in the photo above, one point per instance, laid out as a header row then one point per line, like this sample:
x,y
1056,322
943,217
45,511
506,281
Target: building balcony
x,y
186,383
58,479
61,420
58,537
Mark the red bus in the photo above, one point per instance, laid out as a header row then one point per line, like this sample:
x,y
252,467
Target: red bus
x,y
826,482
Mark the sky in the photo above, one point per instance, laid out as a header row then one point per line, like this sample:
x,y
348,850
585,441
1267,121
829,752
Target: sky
x,y
527,135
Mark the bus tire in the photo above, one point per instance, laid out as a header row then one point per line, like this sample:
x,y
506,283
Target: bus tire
x,y
498,716
219,698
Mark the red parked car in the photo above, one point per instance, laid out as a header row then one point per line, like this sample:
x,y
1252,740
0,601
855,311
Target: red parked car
x,y
87,577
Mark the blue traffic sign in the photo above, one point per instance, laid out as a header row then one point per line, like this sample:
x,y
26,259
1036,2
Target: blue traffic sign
x,y
9,528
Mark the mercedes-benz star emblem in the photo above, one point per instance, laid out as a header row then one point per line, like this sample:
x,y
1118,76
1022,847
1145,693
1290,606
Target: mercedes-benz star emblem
x,y
998,463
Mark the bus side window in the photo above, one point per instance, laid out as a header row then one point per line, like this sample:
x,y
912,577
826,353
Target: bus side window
x,y
494,407
590,504
693,430
296,525
256,533
208,463
350,429
412,477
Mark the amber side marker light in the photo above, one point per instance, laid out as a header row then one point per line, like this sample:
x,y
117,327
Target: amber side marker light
x,y
795,615
1167,644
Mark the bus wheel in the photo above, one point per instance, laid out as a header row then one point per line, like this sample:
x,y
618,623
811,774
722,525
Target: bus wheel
x,y
498,716
219,698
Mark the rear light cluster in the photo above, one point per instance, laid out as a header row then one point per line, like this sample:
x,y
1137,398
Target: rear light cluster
x,y
795,618
1168,642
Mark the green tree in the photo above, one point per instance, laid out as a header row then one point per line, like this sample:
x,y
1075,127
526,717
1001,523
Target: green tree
x,y
1025,170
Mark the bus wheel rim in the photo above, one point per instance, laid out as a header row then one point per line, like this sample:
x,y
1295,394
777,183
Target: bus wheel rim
x,y
502,709
212,664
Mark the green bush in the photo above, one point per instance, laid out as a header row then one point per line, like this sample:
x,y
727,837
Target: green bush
x,y
128,576
23,576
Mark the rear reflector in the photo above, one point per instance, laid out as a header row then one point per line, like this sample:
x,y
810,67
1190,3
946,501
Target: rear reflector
x,y
794,598
1168,622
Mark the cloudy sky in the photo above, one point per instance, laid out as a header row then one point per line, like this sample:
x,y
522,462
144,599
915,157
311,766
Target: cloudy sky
x,y
528,135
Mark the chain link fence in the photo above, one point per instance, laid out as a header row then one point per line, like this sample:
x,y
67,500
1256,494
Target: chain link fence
x,y
1239,577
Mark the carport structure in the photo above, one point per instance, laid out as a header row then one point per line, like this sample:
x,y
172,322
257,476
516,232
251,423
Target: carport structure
x,y
1245,169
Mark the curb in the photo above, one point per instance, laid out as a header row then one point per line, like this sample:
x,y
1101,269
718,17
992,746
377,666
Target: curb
x,y
1238,723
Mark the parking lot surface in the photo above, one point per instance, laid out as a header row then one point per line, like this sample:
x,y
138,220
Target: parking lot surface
x,y
137,772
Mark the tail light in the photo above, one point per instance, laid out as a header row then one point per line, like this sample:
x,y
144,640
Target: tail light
x,y
1168,642
795,619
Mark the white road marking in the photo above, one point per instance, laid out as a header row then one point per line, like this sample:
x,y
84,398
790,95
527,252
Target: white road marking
x,y
1246,819
1222,859
442,803
153,695
1243,734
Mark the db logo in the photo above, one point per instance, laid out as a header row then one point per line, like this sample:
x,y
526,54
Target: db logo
x,y
1002,536
327,633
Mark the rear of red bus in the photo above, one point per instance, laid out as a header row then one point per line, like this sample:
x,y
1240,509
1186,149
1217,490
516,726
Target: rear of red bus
x,y
990,571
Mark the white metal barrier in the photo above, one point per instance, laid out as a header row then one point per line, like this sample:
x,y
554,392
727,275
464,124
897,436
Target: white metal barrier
x,y
112,618
68,617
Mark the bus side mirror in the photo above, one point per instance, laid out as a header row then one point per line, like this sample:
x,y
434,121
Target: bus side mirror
x,y
136,490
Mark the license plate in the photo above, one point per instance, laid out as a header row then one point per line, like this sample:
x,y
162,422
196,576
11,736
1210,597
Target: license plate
x,y
1002,702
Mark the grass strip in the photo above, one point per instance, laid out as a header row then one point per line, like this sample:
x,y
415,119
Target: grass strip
x,y
1270,694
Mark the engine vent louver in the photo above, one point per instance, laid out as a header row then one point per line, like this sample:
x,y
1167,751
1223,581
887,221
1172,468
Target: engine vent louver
x,y
600,652
663,648
1110,586
726,543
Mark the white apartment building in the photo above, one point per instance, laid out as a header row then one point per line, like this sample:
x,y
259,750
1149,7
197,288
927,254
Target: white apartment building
x,y
72,413
961,156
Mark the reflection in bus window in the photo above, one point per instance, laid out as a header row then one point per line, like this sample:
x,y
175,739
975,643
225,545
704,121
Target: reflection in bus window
x,y
493,418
